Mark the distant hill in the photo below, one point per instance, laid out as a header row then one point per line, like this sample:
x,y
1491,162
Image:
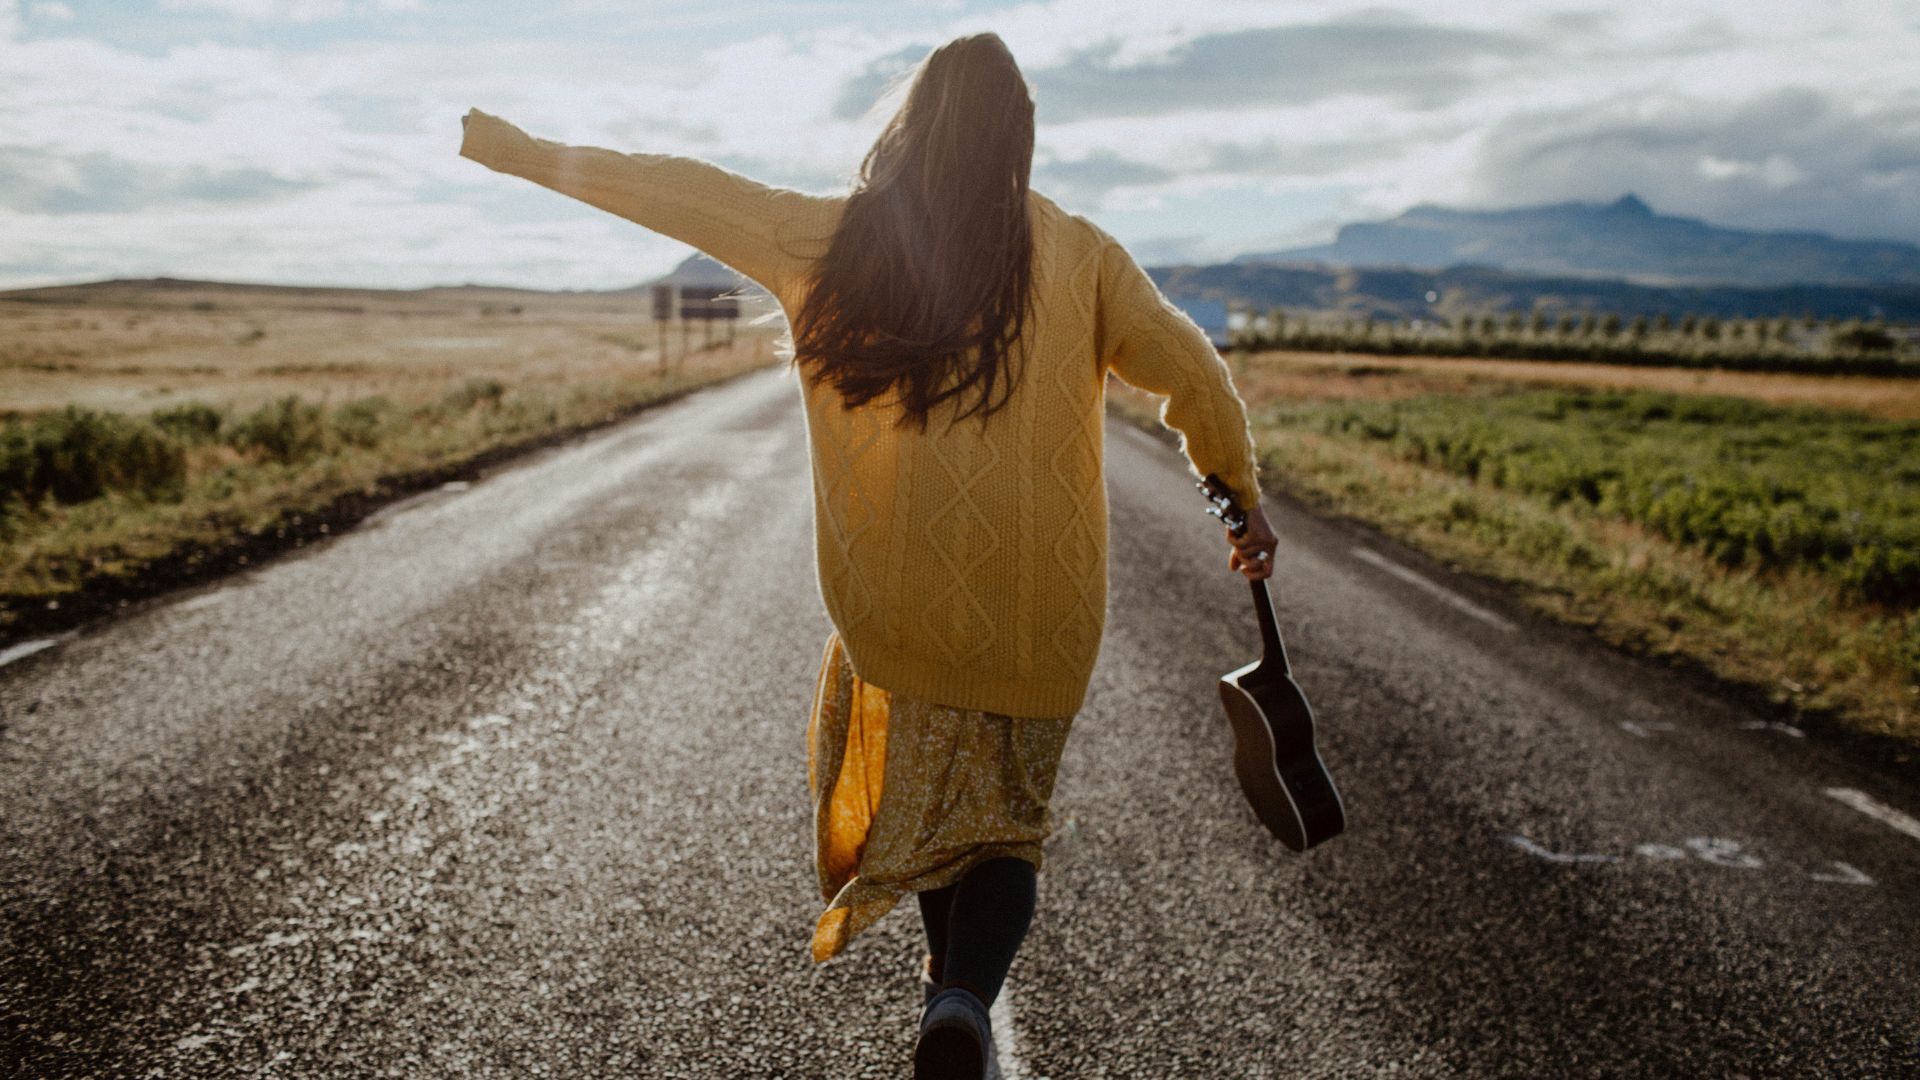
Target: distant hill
x,y
700,269
1624,239
110,288
1396,293
695,269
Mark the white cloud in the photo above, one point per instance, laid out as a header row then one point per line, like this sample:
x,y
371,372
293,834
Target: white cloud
x,y
1777,171
344,151
52,9
1789,158
292,10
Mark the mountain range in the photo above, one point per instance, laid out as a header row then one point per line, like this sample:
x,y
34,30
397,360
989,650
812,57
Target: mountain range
x,y
1624,240
1606,257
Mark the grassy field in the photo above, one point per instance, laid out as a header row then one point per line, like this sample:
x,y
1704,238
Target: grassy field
x,y
136,346
149,426
1317,376
1725,521
1773,346
1765,526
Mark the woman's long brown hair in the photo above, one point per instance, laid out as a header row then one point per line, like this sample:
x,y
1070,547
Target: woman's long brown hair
x,y
926,280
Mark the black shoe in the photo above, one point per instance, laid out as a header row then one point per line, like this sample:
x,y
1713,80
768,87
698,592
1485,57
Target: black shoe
x,y
956,1038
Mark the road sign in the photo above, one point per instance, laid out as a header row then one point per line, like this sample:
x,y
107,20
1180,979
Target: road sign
x,y
708,302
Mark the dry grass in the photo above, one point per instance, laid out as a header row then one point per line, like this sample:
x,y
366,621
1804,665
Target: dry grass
x,y
1304,376
134,348
555,363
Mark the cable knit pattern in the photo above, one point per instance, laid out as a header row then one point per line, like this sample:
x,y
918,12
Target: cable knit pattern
x,y
966,565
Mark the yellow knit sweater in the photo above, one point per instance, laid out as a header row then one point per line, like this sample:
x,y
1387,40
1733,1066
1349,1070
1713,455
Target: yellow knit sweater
x,y
964,566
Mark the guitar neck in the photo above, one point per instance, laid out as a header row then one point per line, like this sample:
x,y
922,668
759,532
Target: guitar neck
x,y
1236,520
1275,651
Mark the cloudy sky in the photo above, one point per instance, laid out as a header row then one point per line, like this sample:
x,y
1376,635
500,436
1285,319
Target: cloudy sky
x,y
316,141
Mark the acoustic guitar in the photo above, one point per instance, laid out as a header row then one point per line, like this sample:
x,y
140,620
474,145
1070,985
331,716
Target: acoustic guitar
x,y
1273,755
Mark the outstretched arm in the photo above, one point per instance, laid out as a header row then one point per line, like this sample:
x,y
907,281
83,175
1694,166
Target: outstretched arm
x,y
760,230
1149,342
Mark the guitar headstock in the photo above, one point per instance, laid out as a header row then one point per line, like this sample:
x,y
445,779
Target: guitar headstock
x,y
1223,506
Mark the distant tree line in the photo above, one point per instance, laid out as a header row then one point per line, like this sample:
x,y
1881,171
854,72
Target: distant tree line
x,y
1777,343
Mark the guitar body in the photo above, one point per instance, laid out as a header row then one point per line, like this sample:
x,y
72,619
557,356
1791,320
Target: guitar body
x,y
1274,758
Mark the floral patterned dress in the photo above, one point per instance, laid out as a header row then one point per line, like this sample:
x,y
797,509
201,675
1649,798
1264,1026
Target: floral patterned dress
x,y
909,794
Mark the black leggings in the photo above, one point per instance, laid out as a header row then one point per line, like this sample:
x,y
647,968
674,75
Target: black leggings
x,y
975,925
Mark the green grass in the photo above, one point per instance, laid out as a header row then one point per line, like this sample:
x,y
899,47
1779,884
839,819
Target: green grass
x,y
1748,484
1767,545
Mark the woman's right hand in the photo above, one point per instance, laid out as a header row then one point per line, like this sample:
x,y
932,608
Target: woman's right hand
x,y
1253,550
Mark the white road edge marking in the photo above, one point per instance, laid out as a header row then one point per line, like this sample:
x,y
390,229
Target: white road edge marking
x,y
28,648
1443,593
1849,875
1876,810
1006,1045
401,506
1537,851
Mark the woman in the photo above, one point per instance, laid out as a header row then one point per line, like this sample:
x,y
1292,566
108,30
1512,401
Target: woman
x,y
954,330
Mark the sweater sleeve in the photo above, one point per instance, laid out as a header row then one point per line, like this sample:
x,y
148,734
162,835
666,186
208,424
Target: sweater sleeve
x,y
1150,343
739,221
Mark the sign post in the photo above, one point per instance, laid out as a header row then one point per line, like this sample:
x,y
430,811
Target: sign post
x,y
707,303
663,300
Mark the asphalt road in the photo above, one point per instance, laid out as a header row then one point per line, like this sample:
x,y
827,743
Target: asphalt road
x,y
510,781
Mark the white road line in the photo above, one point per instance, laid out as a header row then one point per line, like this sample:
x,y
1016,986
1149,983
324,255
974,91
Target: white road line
x,y
1006,1044
1441,592
398,506
1773,725
401,506
28,648
1849,875
1539,852
1876,810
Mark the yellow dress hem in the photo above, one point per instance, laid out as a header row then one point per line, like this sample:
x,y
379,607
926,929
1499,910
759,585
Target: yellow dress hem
x,y
910,794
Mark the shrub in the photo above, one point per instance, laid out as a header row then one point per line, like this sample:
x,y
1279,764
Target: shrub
x,y
16,462
78,454
473,392
358,422
191,422
1863,338
1885,572
1907,647
285,430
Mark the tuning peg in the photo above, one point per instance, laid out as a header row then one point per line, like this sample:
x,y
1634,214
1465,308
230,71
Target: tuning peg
x,y
1232,520
1223,507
